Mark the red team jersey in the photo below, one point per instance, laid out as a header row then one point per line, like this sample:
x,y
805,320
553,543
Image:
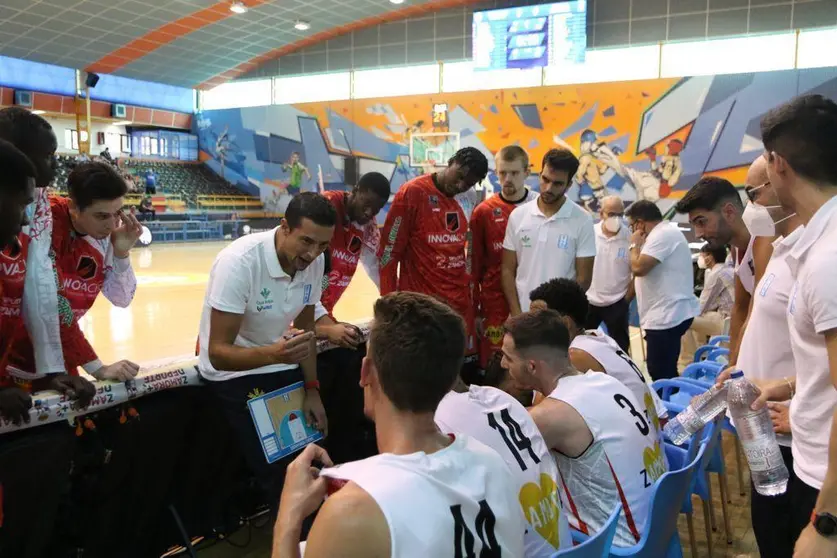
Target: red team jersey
x,y
85,267
426,232
12,275
488,228
351,243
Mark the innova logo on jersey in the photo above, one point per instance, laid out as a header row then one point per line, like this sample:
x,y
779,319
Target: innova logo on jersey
x,y
11,263
355,244
86,268
452,221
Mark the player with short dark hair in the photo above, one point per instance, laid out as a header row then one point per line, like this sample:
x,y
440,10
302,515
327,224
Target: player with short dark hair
x,y
716,212
603,444
258,286
427,493
592,349
17,191
426,232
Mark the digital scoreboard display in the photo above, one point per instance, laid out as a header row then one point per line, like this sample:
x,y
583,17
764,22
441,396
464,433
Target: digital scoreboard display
x,y
530,36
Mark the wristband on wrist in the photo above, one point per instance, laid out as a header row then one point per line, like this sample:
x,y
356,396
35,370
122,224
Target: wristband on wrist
x,y
313,384
790,387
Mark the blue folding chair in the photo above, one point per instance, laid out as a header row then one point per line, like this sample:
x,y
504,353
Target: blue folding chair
x,y
659,537
597,546
718,339
703,372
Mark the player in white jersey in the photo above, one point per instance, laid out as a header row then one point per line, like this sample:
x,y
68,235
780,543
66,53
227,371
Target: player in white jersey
x,y
593,350
606,450
427,494
498,420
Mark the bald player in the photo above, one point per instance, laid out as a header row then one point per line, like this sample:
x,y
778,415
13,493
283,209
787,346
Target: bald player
x,y
488,228
612,287
427,494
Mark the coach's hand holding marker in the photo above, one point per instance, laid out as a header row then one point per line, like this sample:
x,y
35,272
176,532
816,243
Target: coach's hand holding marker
x,y
294,347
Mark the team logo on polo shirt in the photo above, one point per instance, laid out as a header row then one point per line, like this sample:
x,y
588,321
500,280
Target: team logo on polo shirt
x,y
306,294
266,303
355,244
498,212
526,241
452,221
86,268
434,200
563,241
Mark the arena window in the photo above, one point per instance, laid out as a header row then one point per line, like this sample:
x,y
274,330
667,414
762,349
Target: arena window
x,y
461,76
761,53
250,93
390,82
333,86
816,48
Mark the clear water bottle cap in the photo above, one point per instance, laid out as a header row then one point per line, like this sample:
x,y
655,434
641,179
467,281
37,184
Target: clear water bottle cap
x,y
737,374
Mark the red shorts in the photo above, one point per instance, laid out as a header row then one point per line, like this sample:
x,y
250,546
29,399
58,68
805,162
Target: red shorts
x,y
491,340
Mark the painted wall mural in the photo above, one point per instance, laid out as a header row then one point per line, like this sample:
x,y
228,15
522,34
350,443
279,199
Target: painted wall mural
x,y
641,139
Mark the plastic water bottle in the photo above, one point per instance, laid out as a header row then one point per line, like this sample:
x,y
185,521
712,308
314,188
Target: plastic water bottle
x,y
755,430
700,411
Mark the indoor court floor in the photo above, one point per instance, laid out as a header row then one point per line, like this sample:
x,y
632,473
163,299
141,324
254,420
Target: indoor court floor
x,y
162,322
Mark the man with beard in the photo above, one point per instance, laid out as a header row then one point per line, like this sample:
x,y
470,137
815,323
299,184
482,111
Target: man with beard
x,y
426,233
488,228
549,237
715,211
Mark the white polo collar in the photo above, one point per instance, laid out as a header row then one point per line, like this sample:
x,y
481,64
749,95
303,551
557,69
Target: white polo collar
x,y
812,232
274,268
563,213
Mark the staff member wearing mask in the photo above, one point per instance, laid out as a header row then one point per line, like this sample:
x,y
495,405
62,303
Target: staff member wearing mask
x,y
662,264
716,301
612,288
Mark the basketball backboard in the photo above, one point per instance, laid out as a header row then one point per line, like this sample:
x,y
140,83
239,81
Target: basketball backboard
x,y
432,149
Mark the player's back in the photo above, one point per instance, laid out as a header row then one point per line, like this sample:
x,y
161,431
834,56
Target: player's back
x,y
499,421
458,501
620,465
619,365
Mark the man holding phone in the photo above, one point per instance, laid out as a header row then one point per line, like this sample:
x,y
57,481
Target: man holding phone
x,y
257,326
91,242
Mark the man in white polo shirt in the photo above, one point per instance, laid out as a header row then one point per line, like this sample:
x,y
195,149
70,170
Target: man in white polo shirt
x,y
258,286
800,140
549,237
662,264
612,288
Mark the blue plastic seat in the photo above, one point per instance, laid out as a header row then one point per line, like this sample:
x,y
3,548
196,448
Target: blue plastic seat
x,y
659,537
597,546
703,372
718,339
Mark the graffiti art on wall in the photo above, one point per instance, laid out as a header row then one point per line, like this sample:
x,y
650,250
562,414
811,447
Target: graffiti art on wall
x,y
641,140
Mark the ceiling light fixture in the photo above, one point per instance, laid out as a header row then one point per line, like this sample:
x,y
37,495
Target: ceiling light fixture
x,y
238,7
396,1
302,25
38,112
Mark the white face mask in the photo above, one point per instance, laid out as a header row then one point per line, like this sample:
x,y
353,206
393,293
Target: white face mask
x,y
701,261
613,224
758,221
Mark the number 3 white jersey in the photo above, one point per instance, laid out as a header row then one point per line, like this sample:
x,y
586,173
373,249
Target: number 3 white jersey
x,y
458,501
620,465
499,421
619,365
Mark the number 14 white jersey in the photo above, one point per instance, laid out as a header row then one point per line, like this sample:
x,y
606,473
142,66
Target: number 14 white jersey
x,y
499,421
456,502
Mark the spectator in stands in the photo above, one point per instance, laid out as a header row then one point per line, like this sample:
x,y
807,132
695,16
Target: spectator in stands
x,y
27,276
258,286
17,191
150,183
85,268
107,156
716,301
146,207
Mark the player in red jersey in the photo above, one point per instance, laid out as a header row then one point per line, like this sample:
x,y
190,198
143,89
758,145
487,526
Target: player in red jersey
x,y
425,236
28,276
488,228
17,191
356,239
91,241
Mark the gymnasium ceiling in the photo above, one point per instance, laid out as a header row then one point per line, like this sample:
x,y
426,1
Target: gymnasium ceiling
x,y
190,43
